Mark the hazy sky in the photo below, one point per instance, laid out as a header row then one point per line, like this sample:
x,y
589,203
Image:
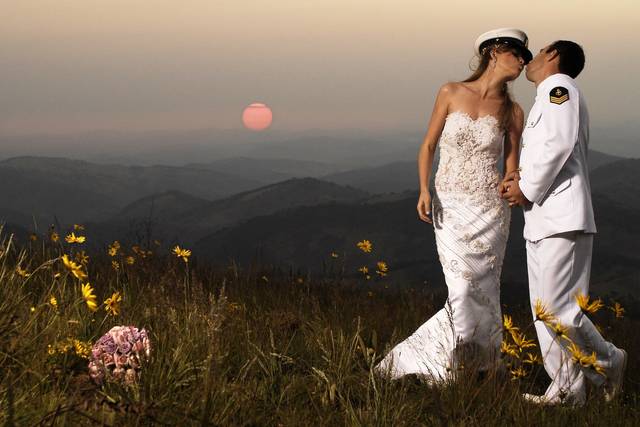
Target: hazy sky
x,y
74,65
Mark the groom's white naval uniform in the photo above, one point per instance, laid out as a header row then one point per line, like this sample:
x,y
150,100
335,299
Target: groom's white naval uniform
x,y
559,229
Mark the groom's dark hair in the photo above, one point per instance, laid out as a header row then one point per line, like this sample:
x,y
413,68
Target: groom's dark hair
x,y
571,57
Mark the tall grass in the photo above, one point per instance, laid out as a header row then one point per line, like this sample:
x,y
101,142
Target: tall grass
x,y
248,346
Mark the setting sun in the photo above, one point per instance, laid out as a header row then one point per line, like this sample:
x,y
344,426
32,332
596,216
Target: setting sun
x,y
257,117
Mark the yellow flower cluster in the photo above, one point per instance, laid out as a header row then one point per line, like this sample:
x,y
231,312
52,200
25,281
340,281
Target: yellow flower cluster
x,y
516,349
578,357
381,266
562,332
71,346
72,238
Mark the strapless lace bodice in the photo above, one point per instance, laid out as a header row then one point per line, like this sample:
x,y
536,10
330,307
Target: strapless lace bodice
x,y
469,153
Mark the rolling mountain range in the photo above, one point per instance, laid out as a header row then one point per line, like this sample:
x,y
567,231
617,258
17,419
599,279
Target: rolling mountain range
x,y
297,221
48,188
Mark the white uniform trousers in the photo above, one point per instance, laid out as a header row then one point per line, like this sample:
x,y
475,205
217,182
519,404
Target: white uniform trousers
x,y
559,267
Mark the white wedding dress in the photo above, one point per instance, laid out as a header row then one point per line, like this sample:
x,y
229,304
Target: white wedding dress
x,y
471,226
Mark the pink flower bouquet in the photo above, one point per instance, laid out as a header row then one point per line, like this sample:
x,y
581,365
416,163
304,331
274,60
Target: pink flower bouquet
x,y
117,354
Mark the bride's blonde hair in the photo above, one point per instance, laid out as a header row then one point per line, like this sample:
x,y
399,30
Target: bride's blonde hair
x,y
507,110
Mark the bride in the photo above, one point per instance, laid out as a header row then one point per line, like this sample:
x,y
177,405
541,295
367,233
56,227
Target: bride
x,y
476,122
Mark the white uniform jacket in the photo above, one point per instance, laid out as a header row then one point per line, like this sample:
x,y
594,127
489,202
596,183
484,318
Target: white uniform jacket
x,y
554,173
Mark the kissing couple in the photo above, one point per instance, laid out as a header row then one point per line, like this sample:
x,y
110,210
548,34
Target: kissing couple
x,y
477,122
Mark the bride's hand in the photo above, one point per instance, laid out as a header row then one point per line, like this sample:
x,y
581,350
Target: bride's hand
x,y
424,207
511,176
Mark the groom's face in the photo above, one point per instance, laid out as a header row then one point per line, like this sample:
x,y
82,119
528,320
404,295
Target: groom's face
x,y
537,64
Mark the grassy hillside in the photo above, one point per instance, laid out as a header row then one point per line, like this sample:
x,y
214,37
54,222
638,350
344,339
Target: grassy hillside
x,y
254,346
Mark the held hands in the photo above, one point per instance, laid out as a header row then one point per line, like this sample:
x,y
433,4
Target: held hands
x,y
424,207
510,190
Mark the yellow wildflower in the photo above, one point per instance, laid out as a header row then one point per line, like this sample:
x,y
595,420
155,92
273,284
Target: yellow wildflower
x,y
618,310
521,341
21,272
508,325
53,301
560,331
576,353
542,313
78,227
89,296
72,238
112,304
115,265
130,260
365,246
81,349
32,309
182,253
74,268
82,257
33,237
54,236
114,248
586,306
509,349
532,359
363,270
578,357
518,373
382,268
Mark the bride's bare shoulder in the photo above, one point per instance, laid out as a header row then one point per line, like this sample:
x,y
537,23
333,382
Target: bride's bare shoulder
x,y
451,88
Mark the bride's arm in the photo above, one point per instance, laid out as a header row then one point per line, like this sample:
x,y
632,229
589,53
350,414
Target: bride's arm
x,y
428,148
512,143
436,123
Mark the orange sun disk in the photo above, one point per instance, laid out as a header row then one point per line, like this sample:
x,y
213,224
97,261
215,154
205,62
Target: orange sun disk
x,y
257,117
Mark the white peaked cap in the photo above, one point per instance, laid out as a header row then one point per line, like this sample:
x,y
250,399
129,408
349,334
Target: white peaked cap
x,y
512,36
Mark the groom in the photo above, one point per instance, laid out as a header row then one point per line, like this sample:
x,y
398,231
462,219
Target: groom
x,y
552,185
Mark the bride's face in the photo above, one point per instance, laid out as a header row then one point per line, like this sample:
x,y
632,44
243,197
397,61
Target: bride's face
x,y
510,63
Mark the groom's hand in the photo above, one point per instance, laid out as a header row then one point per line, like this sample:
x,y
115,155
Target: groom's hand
x,y
513,194
508,178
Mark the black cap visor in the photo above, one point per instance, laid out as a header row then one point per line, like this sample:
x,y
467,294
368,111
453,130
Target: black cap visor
x,y
526,54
